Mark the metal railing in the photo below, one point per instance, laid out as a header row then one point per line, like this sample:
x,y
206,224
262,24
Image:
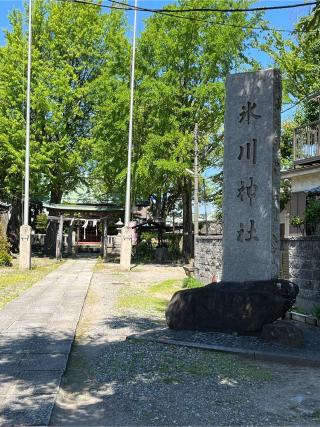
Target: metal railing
x,y
306,143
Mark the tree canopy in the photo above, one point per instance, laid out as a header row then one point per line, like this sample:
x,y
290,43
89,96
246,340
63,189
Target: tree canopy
x,y
72,47
182,65
80,99
298,58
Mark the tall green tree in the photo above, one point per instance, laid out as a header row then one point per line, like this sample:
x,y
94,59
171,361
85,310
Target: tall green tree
x,y
298,58
12,126
182,64
72,45
111,92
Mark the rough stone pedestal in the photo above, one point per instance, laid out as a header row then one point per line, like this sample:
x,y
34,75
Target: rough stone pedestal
x,y
25,248
283,332
126,248
231,306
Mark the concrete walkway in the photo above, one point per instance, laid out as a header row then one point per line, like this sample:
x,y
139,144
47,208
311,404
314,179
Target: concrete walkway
x,y
36,334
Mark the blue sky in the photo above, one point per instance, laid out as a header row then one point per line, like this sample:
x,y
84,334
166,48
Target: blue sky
x,y
279,19
283,19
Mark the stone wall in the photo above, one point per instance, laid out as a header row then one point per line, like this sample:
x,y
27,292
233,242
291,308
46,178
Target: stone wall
x,y
4,219
300,262
208,258
304,269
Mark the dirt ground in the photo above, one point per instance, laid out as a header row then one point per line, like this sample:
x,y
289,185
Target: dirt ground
x,y
110,381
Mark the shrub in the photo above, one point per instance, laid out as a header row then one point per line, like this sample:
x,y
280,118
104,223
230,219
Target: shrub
x,y
313,212
316,312
5,257
144,252
41,223
296,221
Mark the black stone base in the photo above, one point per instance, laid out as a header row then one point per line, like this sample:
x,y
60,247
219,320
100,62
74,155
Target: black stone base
x,y
242,307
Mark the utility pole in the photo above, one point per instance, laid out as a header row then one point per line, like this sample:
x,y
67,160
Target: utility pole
x,y
196,185
25,229
205,204
126,232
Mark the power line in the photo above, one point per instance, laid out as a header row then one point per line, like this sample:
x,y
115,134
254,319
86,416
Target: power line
x,y
89,3
292,106
171,12
168,12
254,9
306,98
125,7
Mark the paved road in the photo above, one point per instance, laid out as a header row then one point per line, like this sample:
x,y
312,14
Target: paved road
x,y
36,333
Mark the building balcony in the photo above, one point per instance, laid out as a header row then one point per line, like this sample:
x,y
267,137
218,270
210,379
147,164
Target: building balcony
x,y
306,144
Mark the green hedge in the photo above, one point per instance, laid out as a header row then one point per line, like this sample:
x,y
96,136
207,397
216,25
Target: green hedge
x,y
5,257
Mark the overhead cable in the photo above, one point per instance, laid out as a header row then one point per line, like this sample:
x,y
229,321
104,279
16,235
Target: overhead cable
x,y
306,98
165,12
172,12
208,9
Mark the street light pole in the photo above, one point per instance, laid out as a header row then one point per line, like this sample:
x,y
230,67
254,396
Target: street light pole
x,y
25,229
27,155
205,204
196,184
126,242
128,188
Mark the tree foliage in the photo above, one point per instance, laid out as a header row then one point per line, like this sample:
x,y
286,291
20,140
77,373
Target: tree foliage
x,y
5,257
80,99
298,58
182,65
72,46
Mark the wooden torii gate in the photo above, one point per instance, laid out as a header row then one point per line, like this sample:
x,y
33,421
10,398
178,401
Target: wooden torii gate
x,y
54,241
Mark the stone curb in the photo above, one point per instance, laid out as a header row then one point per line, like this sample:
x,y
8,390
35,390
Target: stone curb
x,y
255,355
70,350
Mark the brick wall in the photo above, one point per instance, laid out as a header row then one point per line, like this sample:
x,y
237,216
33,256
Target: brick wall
x,y
300,263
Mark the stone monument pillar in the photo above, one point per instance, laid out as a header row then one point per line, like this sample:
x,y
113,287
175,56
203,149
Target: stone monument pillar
x,y
70,239
104,238
25,248
251,235
126,248
59,245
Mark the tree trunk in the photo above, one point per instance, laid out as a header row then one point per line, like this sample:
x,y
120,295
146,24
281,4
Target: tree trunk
x,y
56,195
164,206
187,246
50,240
15,221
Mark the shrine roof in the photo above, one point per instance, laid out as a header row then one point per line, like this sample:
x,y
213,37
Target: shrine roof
x,y
82,207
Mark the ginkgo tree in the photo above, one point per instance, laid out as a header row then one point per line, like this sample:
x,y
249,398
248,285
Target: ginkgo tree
x,y
182,65
72,45
298,58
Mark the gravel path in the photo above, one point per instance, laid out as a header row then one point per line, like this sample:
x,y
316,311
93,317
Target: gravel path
x,y
111,381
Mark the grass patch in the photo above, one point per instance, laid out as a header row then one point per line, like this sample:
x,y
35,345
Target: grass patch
x,y
142,303
191,282
99,266
152,300
167,287
14,282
